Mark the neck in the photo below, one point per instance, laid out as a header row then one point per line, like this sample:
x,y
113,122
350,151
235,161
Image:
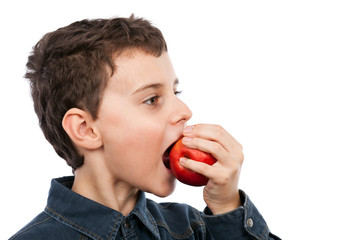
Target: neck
x,y
95,184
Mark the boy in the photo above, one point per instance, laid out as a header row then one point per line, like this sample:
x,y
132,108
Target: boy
x,y
105,93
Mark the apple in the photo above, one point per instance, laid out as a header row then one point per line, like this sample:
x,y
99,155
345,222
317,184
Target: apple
x,y
183,174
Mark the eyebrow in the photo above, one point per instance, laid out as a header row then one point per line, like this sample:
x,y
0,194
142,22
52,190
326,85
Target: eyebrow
x,y
153,86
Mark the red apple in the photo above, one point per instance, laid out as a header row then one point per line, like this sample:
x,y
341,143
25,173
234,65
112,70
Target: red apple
x,y
183,174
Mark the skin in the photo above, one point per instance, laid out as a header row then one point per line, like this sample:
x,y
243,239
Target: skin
x,y
139,117
221,192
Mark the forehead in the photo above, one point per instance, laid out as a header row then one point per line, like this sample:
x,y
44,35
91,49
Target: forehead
x,y
135,69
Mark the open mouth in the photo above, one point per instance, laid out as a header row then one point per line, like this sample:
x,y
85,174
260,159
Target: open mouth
x,y
166,156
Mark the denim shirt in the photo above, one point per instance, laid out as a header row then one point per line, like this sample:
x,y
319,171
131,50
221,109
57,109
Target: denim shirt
x,y
69,215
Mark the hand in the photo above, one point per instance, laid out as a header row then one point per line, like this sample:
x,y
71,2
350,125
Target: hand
x,y
221,192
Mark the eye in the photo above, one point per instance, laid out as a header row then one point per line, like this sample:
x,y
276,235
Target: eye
x,y
152,101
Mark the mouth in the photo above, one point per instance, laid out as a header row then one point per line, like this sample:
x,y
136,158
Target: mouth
x,y
166,156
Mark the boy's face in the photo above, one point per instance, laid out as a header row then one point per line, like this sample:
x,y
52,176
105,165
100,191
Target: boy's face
x,y
139,118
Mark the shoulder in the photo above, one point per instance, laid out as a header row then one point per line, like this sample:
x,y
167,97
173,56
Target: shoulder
x,y
44,227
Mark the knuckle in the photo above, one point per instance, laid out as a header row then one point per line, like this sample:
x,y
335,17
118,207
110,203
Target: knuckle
x,y
219,131
223,179
239,156
218,127
242,158
234,169
217,147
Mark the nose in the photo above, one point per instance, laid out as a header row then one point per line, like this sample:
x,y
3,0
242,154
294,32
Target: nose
x,y
181,112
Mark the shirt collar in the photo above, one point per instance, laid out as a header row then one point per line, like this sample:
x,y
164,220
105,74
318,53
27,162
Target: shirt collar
x,y
90,217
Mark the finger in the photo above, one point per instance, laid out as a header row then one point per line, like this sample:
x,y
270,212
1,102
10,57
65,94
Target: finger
x,y
218,175
199,167
214,148
212,132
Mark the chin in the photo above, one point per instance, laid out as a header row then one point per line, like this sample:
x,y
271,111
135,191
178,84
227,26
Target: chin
x,y
164,191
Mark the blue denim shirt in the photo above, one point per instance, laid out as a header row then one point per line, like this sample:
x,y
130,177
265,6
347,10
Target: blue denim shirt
x,y
69,215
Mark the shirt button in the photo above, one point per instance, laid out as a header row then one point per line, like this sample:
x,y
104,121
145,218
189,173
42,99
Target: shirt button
x,y
127,224
249,222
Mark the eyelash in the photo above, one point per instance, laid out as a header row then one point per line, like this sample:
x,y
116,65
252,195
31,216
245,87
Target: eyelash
x,y
177,93
153,101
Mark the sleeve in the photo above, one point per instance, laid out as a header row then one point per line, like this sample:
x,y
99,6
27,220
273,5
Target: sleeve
x,y
244,222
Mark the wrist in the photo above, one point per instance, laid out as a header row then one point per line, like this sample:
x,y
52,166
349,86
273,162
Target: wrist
x,y
220,208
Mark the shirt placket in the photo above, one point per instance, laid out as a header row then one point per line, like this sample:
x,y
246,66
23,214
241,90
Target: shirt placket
x,y
127,229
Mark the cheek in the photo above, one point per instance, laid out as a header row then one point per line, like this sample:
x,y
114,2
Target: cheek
x,y
144,140
135,142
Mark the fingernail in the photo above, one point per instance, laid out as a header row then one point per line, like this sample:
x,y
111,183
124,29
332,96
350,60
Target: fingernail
x,y
186,139
188,129
182,161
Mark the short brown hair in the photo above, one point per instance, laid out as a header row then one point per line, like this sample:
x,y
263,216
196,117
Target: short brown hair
x,y
68,68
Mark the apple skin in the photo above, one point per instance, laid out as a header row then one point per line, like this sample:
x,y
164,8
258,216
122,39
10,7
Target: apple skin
x,y
183,174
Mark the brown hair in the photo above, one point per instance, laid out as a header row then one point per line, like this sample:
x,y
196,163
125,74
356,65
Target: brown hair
x,y
68,68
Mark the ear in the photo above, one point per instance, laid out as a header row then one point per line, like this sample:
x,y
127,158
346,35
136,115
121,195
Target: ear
x,y
80,127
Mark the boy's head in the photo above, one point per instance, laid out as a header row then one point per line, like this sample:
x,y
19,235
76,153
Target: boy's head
x,y
70,68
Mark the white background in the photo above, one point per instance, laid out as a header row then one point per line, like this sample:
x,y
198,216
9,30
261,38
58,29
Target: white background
x,y
281,76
